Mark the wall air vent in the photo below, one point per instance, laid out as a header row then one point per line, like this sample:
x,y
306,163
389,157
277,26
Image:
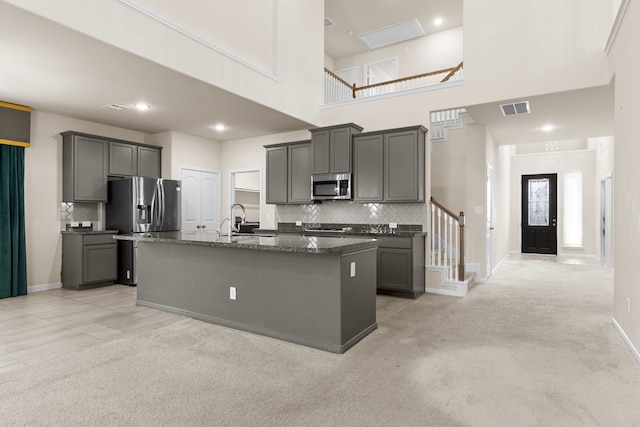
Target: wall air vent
x,y
328,22
118,107
515,108
396,33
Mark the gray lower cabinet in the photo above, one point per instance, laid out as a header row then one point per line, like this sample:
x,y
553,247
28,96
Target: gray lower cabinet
x,y
84,168
289,173
401,266
389,166
88,260
331,148
133,160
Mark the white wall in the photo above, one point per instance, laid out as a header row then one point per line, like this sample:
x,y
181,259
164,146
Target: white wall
x,y
250,154
558,162
625,62
430,53
294,40
43,190
530,47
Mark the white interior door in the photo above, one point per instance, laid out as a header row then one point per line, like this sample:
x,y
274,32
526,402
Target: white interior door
x,y
489,211
606,229
349,75
200,200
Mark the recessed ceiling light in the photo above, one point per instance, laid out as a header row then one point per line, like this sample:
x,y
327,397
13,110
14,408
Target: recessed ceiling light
x,y
547,128
220,127
142,106
437,22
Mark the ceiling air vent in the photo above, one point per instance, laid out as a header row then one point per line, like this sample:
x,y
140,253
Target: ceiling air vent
x,y
396,33
516,108
118,107
328,22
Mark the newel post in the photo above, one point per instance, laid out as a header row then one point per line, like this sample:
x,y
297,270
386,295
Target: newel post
x,y
353,91
461,221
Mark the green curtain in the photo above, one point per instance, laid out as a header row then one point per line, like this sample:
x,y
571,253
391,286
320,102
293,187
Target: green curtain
x,y
13,256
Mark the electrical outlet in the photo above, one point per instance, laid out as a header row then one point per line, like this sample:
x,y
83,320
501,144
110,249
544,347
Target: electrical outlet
x,y
128,274
298,223
232,293
393,225
353,269
628,305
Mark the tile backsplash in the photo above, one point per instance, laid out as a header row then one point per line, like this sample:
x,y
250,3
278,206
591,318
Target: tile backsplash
x,y
353,212
78,212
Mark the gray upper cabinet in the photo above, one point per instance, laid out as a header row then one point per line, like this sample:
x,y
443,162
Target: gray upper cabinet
x,y
123,159
127,159
289,173
404,165
389,165
148,161
299,173
277,175
331,148
84,165
367,168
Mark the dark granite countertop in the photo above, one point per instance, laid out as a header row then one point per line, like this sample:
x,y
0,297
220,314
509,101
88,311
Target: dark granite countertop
x,y
351,230
280,243
89,231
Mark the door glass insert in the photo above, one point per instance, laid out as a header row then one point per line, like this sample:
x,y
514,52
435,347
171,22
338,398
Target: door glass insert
x,y
539,202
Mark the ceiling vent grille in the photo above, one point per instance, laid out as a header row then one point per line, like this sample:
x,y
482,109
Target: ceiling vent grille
x,y
328,22
118,107
396,33
515,108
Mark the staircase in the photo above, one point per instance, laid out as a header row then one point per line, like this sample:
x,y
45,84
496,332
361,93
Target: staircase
x,y
442,121
445,272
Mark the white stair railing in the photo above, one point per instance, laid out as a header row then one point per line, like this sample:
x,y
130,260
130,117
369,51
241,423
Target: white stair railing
x,y
447,241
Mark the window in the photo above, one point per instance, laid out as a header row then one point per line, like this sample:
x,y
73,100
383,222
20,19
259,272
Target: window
x,y
573,209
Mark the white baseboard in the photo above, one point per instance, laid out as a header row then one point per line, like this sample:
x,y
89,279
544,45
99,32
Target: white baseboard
x,y
626,340
453,292
45,287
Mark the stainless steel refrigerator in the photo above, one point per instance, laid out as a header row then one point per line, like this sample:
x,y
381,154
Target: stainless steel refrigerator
x,y
140,205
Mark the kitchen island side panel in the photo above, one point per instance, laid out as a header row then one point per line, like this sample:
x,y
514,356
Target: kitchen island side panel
x,y
307,299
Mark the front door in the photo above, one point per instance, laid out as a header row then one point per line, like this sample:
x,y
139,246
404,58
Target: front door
x,y
539,214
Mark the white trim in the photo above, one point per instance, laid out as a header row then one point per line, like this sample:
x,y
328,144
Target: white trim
x,y
453,293
232,180
43,287
622,10
211,46
365,69
626,339
427,88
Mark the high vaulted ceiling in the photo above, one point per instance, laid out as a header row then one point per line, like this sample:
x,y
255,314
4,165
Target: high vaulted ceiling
x,y
354,17
54,69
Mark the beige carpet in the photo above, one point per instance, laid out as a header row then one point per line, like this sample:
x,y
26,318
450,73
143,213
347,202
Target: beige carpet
x,y
531,347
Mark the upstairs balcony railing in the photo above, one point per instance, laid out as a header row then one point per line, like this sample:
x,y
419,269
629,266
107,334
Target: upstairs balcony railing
x,y
338,90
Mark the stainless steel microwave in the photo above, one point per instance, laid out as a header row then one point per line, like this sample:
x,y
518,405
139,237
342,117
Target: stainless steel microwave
x,y
331,186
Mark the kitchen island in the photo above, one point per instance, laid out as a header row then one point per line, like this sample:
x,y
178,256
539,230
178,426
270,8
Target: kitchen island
x,y
315,291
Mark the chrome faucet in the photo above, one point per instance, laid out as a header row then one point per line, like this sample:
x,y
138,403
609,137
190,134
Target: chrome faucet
x,y
232,218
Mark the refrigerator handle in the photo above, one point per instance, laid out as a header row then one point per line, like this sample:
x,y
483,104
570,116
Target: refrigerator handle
x,y
154,207
162,201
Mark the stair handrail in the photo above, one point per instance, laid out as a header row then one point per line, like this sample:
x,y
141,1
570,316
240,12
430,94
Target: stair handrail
x,y
460,218
354,89
455,70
